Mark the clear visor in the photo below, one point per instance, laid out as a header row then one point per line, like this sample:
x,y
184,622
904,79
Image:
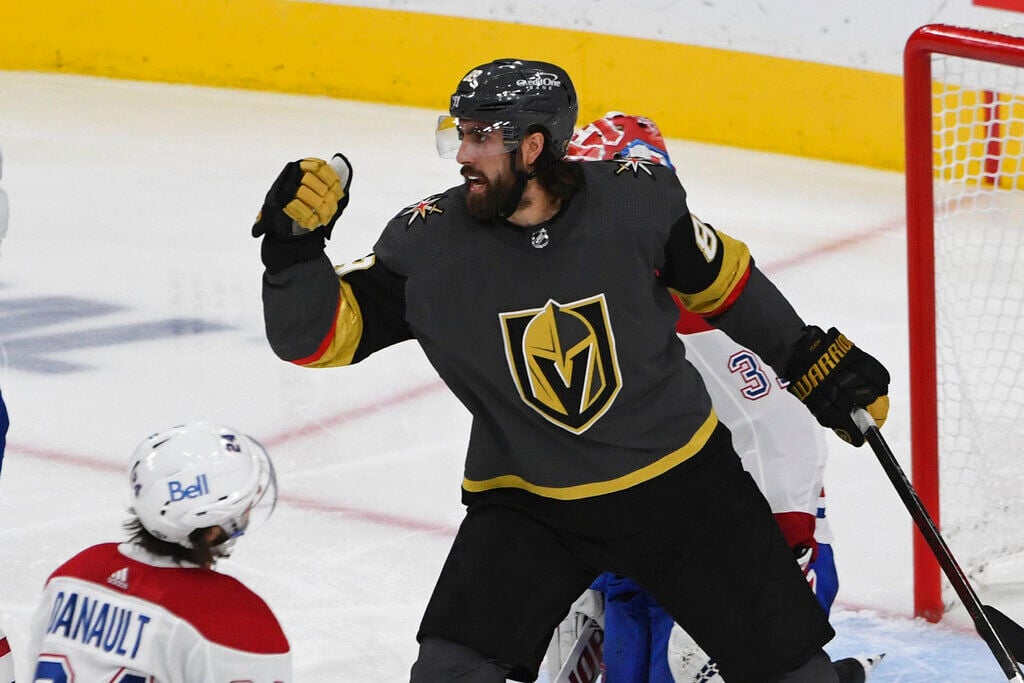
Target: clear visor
x,y
485,137
266,500
262,506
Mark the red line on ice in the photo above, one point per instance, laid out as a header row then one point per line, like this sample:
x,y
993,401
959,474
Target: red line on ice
x,y
412,394
382,518
353,414
847,242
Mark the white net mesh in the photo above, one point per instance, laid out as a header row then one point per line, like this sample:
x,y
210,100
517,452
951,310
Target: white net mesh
x,y
978,152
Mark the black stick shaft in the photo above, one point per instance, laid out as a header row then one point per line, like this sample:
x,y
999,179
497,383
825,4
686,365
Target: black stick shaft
x,y
950,567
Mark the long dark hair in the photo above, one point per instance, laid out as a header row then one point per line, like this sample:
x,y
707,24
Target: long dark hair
x,y
555,175
202,553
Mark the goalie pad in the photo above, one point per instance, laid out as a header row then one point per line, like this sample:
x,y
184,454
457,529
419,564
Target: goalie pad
x,y
583,663
568,643
687,662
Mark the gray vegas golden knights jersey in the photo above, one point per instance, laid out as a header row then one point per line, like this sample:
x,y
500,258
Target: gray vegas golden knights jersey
x,y
560,339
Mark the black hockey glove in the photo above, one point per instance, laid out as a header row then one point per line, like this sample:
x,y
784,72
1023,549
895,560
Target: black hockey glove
x,y
300,210
832,377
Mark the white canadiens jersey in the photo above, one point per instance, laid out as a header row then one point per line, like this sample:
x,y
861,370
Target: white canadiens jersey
x,y
781,445
116,614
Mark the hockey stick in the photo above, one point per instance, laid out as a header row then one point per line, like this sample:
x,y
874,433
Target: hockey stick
x,y
1004,637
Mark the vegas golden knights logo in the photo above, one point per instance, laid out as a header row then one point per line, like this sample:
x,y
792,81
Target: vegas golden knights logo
x,y
562,358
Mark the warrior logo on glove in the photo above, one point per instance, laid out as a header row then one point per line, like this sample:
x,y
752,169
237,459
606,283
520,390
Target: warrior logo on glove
x,y
820,370
832,377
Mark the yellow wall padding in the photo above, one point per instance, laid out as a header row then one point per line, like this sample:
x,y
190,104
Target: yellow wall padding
x,y
406,58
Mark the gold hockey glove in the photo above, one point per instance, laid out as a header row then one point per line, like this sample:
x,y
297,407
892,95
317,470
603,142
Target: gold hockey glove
x,y
316,199
300,210
308,194
832,377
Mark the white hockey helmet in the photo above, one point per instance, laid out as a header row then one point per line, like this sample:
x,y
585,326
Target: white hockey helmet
x,y
197,476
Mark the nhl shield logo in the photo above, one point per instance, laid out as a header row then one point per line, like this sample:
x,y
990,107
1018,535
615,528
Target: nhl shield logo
x,y
563,361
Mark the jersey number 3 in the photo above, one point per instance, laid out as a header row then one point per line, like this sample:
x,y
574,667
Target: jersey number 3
x,y
755,380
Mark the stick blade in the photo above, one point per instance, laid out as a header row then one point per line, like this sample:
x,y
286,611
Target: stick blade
x,y
1010,632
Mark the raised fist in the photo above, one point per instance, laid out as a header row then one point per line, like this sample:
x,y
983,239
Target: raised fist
x,y
308,194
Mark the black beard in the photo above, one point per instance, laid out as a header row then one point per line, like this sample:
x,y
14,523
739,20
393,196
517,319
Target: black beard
x,y
489,204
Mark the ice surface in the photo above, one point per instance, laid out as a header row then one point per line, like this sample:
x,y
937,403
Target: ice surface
x,y
130,301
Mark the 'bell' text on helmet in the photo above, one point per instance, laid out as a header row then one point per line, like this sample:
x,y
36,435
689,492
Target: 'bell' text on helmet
x,y
197,476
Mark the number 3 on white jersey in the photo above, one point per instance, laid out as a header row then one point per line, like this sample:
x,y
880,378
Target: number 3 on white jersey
x,y
706,239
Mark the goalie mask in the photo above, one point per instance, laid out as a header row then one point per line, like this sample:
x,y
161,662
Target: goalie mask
x,y
198,476
512,95
619,136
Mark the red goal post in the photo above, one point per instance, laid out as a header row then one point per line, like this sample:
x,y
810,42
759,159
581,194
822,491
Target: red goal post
x,y
964,136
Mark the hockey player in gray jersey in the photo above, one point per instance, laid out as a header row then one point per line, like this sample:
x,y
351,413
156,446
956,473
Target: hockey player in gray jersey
x,y
541,291
779,444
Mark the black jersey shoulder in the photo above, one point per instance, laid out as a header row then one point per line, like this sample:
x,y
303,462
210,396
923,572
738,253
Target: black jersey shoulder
x,y
429,209
632,171
418,227
653,198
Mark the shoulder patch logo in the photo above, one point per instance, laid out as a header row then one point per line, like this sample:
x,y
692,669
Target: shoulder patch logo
x,y
634,164
364,263
422,209
119,578
563,360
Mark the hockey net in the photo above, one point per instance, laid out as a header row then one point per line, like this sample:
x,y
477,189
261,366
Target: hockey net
x,y
964,115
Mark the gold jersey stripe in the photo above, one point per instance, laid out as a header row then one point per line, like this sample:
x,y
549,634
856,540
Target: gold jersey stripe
x,y
735,262
656,468
344,338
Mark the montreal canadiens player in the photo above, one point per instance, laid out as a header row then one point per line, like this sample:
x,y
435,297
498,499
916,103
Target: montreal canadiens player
x,y
781,446
154,610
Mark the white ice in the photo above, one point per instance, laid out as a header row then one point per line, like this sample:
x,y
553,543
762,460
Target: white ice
x,y
130,301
